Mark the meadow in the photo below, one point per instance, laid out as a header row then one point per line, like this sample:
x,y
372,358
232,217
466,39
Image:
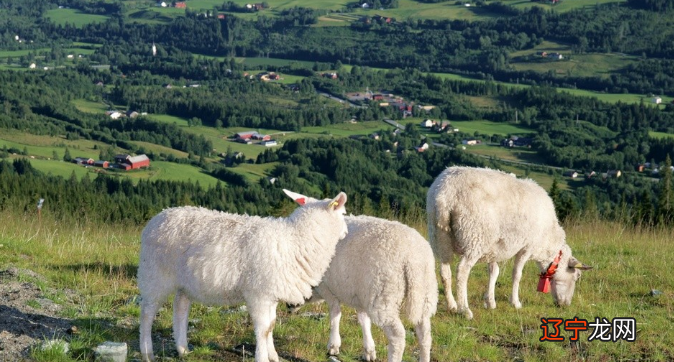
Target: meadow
x,y
99,262
74,17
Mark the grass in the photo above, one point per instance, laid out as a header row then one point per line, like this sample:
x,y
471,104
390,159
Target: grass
x,y
73,17
489,128
654,134
170,171
99,262
89,106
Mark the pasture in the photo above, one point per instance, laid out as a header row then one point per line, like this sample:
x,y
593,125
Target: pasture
x,y
73,17
489,128
98,263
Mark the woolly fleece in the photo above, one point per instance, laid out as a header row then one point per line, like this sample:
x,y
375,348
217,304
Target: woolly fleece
x,y
218,258
382,268
489,216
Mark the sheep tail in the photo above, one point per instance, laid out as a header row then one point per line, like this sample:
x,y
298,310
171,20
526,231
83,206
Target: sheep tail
x,y
419,292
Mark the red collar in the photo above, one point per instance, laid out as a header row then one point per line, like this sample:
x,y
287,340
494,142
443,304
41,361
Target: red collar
x,y
544,278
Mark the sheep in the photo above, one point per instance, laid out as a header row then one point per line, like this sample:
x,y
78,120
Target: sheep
x,y
218,258
488,216
381,268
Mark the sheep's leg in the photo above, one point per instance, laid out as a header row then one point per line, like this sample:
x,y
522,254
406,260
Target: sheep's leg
x,y
423,331
489,299
446,275
370,354
462,274
181,310
520,260
395,332
335,341
148,310
271,351
263,324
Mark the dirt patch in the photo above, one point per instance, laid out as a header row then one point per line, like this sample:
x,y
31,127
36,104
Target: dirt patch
x,y
28,316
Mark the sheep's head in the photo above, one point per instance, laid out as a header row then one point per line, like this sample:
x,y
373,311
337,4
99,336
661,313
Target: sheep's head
x,y
564,281
335,206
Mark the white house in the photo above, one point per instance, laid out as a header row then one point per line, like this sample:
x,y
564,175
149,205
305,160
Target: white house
x,y
32,66
270,143
162,4
114,114
657,100
365,6
427,123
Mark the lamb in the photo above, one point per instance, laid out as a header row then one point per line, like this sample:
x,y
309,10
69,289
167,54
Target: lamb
x,y
218,258
489,216
381,268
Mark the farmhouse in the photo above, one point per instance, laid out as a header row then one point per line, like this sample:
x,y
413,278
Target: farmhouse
x,y
180,5
427,123
103,164
113,114
657,100
83,161
269,143
129,162
245,135
570,173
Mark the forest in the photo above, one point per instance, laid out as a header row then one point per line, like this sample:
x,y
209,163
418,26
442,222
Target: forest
x,y
385,177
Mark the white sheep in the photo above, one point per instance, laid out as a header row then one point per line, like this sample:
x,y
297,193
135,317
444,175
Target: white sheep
x,y
217,258
489,216
381,268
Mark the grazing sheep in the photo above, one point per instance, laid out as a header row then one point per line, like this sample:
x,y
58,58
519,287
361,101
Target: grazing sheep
x,y
381,268
218,258
489,216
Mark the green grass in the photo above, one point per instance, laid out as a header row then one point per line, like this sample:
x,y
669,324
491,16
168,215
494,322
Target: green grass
x,y
660,134
99,263
44,146
258,61
73,17
89,106
170,171
347,129
489,128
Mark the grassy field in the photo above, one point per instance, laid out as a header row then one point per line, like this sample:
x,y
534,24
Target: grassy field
x,y
89,106
489,128
73,17
98,262
660,134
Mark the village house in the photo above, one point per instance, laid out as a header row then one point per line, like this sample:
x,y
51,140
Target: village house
x,y
128,162
570,173
427,123
656,100
246,135
269,143
83,161
102,164
113,114
421,148
180,5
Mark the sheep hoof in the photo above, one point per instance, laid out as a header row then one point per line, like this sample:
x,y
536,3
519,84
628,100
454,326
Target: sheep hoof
x,y
516,304
147,357
490,305
333,351
466,313
452,307
370,355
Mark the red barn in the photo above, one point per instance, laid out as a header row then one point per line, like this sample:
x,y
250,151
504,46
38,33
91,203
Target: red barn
x,y
128,162
180,4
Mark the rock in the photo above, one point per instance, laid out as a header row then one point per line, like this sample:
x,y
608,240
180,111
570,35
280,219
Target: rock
x,y
55,345
111,352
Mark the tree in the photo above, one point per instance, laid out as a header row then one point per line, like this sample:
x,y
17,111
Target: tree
x,y
665,196
66,156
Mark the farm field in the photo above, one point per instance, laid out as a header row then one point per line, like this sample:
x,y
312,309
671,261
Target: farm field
x,y
660,134
170,171
44,146
74,17
90,106
489,128
347,129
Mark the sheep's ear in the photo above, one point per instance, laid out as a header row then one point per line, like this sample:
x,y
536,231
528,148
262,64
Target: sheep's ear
x,y
300,199
576,264
338,202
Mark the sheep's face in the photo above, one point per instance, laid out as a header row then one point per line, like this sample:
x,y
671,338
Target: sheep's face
x,y
564,282
335,206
